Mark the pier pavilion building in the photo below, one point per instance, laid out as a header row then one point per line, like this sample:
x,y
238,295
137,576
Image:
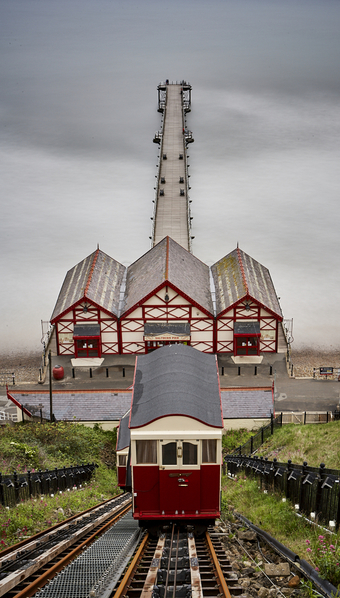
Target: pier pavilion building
x,y
168,295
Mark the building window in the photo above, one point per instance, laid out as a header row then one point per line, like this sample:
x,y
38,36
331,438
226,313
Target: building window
x,y
122,460
189,453
208,451
169,453
146,451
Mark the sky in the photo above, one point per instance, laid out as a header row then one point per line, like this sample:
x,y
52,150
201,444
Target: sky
x,y
78,111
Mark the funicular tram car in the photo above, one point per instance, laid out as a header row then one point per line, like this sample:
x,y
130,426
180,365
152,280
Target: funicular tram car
x,y
122,451
176,429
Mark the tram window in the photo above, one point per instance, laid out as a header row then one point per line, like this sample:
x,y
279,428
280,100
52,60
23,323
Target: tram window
x,y
122,460
169,453
208,451
189,453
146,451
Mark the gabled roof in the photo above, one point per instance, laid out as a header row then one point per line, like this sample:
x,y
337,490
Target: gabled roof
x,y
173,380
97,278
237,276
168,262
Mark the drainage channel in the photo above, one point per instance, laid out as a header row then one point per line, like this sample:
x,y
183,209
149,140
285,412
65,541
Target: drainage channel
x,y
98,569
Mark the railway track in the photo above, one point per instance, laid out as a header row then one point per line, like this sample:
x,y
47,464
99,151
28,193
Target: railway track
x,y
177,565
29,565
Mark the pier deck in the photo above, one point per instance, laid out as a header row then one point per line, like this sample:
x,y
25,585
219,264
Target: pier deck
x,y
171,213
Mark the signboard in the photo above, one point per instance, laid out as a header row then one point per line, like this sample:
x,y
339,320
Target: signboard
x,y
166,337
326,371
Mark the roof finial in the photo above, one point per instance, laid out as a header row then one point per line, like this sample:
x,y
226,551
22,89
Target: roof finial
x,y
237,244
97,245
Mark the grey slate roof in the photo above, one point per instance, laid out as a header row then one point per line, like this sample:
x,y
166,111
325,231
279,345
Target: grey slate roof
x,y
97,278
78,405
247,328
154,329
168,261
247,403
238,275
112,406
123,438
176,379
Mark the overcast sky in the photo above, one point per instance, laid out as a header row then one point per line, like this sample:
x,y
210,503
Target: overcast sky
x,y
78,111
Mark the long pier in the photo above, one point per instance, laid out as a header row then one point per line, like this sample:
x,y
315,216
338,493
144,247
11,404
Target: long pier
x,y
172,215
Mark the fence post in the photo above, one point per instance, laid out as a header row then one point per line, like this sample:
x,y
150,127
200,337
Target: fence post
x,y
262,435
251,444
16,486
41,481
29,481
272,423
305,418
56,478
319,491
1,491
303,488
281,419
289,463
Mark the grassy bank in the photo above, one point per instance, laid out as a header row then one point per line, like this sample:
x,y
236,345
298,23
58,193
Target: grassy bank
x,y
45,446
311,443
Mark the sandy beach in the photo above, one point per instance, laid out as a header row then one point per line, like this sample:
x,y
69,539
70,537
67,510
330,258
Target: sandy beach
x,y
26,365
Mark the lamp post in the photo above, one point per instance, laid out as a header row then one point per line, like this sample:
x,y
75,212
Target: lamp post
x,y
50,371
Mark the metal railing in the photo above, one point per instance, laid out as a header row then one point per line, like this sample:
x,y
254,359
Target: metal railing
x,y
315,491
254,442
5,416
7,378
293,417
20,487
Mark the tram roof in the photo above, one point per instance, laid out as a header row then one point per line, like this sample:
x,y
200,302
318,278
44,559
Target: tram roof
x,y
123,439
176,380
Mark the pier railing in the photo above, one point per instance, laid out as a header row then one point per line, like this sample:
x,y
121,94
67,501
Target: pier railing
x,y
20,487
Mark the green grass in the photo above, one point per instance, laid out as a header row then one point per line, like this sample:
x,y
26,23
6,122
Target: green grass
x,y
46,446
312,443
235,438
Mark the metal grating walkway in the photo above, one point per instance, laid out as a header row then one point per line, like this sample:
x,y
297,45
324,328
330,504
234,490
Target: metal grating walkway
x,y
98,567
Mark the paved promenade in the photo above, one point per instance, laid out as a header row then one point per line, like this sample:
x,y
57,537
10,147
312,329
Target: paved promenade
x,y
116,372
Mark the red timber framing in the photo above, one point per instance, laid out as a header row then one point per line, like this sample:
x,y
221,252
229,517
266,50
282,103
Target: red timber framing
x,y
245,310
86,312
166,304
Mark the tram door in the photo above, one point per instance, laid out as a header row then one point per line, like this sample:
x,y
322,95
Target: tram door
x,y
179,478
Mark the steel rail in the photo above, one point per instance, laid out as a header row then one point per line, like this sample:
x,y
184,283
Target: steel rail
x,y
48,530
131,570
33,587
219,573
176,566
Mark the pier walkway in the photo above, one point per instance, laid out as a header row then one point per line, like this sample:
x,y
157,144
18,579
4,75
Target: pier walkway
x,y
172,215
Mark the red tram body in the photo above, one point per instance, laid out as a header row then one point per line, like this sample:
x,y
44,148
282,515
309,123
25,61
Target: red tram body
x,y
122,450
176,427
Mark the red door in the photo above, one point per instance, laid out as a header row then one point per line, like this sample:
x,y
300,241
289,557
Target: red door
x,y
87,347
179,479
